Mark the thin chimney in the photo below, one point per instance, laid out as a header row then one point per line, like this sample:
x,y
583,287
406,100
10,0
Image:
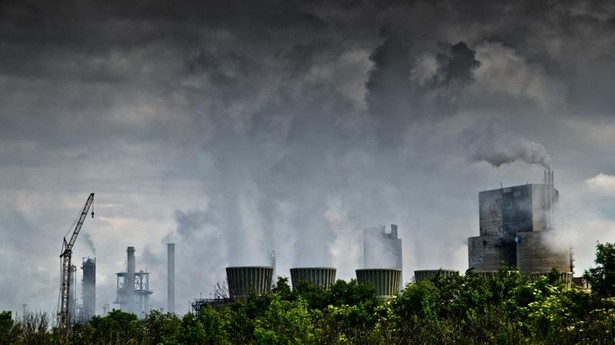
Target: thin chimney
x,y
171,277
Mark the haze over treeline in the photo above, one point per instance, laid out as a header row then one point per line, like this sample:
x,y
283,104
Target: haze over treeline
x,y
234,128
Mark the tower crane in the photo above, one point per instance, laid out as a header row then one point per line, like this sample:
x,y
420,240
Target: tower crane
x,y
65,256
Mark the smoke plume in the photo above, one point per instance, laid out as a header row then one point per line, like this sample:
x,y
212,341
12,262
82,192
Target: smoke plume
x,y
87,239
485,142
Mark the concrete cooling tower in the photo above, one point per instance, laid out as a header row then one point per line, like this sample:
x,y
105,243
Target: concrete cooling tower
x,y
430,274
248,279
385,280
320,276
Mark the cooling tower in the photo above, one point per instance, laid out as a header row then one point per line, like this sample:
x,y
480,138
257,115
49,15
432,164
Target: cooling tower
x,y
248,279
534,255
431,274
385,280
171,277
320,276
89,288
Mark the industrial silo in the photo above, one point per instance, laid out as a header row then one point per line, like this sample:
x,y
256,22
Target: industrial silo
x,y
89,288
248,279
385,280
431,274
534,255
320,276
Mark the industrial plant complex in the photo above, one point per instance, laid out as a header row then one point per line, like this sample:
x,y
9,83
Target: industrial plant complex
x,y
516,225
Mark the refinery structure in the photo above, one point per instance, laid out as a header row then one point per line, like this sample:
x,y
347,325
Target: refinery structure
x,y
516,228
133,290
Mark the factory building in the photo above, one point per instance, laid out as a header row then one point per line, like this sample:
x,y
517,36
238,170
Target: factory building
x,y
514,226
133,292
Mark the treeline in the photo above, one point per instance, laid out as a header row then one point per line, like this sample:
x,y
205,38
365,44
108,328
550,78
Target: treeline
x,y
502,308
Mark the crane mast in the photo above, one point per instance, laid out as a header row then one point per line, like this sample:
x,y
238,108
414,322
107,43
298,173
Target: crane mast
x,y
65,256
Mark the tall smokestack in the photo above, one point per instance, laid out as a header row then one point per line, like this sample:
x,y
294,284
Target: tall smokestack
x,y
171,277
129,288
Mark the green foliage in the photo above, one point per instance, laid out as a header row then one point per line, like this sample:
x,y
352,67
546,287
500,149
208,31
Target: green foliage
x,y
8,329
160,328
115,327
602,277
284,322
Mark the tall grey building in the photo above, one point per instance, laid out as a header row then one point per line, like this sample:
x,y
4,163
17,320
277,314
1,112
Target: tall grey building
x,y
513,222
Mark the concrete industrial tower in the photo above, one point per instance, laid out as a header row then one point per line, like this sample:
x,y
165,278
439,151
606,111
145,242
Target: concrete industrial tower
x,y
88,289
516,229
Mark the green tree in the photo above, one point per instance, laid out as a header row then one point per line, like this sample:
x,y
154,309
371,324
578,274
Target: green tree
x,y
602,277
116,327
285,322
161,328
8,329
192,330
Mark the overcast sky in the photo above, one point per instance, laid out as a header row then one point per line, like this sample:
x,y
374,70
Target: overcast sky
x,y
237,127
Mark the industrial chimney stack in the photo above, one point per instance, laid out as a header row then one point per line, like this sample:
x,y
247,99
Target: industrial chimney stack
x,y
130,279
171,277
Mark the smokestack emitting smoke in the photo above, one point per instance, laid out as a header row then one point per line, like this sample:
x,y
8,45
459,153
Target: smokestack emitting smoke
x,y
484,142
171,277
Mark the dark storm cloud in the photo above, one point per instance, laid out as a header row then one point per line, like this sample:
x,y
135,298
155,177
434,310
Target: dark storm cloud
x,y
456,63
296,123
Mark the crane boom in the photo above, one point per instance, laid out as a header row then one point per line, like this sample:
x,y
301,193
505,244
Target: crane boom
x,y
65,256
